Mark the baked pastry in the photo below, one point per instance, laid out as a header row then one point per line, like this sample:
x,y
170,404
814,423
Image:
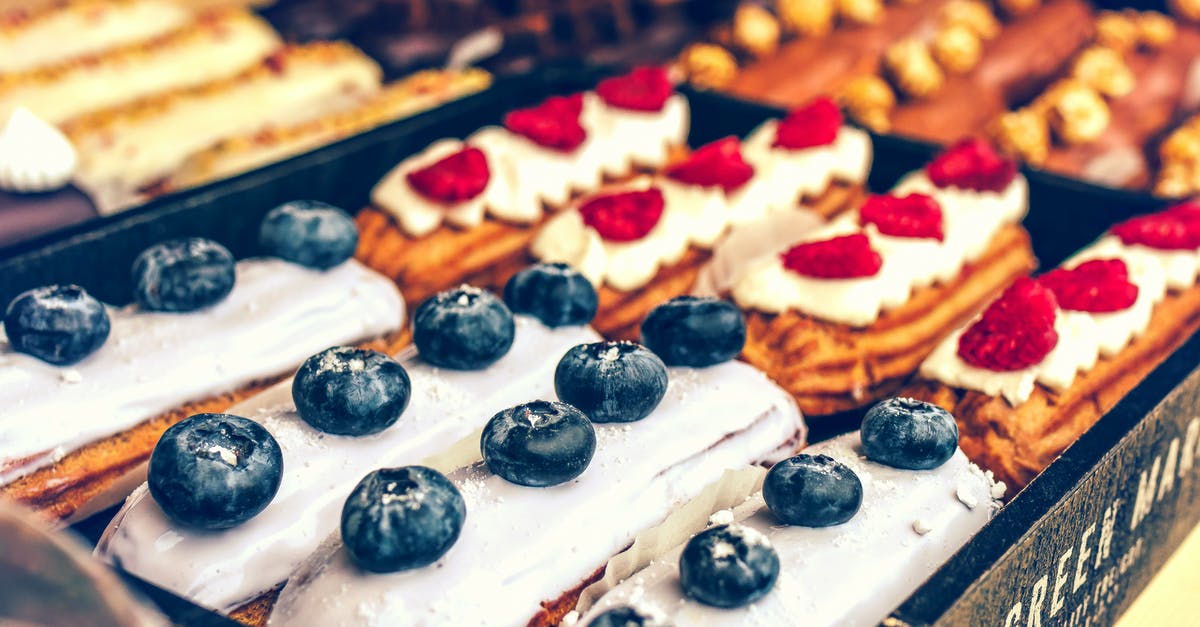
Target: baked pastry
x,y
89,388
845,534
862,300
1052,355
605,487
440,428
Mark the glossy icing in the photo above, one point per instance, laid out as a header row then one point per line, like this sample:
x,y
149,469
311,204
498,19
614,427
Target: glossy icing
x,y
276,316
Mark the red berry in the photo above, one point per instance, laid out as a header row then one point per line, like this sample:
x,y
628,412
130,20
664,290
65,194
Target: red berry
x,y
719,163
914,215
1016,331
1177,228
643,89
623,216
845,257
1099,285
456,178
972,164
553,124
814,124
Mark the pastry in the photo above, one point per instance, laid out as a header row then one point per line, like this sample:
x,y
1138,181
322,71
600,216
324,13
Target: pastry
x,y
863,299
880,529
440,427
605,487
1052,355
89,389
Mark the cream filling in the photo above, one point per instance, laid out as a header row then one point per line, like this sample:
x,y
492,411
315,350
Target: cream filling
x,y
277,315
792,175
543,175
531,544
225,49
34,156
87,28
441,427
637,138
850,574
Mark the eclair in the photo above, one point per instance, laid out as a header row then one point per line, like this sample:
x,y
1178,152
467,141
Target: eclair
x,y
840,535
1051,355
88,388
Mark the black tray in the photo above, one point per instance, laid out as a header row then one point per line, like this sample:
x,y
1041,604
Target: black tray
x,y
1001,566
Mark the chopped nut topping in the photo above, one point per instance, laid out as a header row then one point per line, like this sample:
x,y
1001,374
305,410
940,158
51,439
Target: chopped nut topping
x,y
1104,70
869,100
1023,133
1117,31
913,69
755,30
957,48
1155,30
709,65
807,17
974,14
1186,9
860,11
1078,113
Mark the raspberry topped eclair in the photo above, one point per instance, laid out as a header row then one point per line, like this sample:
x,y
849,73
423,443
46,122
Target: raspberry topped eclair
x,y
1044,361
862,300
204,333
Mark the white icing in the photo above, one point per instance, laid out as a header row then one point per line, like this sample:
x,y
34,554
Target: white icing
x,y
446,414
792,175
544,175
532,544
277,315
910,523
34,156
637,138
1181,268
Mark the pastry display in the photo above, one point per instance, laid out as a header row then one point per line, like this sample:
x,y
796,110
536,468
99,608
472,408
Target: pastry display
x,y
841,315
845,533
1051,355
89,388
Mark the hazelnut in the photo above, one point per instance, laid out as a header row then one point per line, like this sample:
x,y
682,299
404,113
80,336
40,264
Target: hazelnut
x,y
1104,70
1185,9
1155,30
1117,31
860,11
1079,114
957,48
755,30
912,68
1023,133
869,100
973,14
709,65
806,17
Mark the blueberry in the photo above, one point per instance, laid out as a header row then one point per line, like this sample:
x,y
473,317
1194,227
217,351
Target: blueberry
x,y
624,616
611,381
351,391
182,275
812,491
310,233
693,331
728,566
554,293
463,329
402,518
58,324
215,471
539,444
910,434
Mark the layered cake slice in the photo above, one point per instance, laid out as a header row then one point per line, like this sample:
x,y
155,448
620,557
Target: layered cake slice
x,y
89,388
841,534
439,426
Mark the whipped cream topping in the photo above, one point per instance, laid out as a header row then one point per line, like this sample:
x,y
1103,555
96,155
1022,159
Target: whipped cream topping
x,y
34,155
532,544
441,428
791,175
909,524
644,137
277,315
970,220
628,265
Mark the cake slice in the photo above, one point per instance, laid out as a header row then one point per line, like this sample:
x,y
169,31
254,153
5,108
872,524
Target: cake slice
x,y
891,528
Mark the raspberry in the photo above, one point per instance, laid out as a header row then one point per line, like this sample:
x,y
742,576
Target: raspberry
x,y
972,164
814,124
914,215
845,257
1016,331
719,163
1177,228
643,89
553,124
1098,286
623,216
456,178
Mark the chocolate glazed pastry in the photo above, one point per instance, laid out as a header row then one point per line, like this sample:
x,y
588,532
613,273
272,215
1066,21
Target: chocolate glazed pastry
x,y
1011,71
829,62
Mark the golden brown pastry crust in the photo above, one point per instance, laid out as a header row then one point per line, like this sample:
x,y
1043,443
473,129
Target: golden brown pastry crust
x,y
832,367
1017,443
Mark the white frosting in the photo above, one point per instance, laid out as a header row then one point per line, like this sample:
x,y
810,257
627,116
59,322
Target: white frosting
x,y
793,175
446,414
626,265
969,221
521,546
910,523
1180,268
544,175
277,315
34,156
639,138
